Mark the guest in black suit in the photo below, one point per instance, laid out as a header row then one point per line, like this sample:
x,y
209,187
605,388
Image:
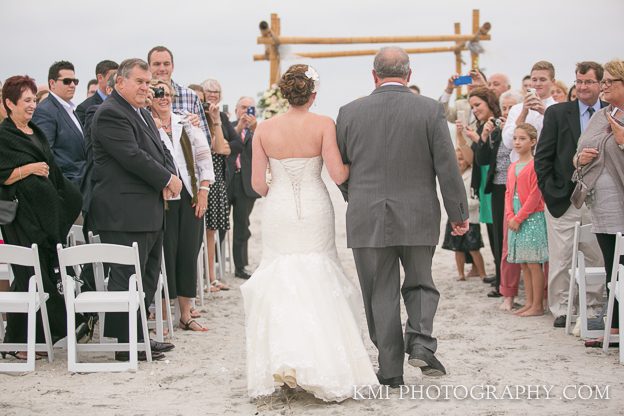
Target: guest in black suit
x,y
563,125
103,71
240,193
56,117
132,174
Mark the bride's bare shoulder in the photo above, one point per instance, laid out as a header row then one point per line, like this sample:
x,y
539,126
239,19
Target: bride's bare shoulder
x,y
324,120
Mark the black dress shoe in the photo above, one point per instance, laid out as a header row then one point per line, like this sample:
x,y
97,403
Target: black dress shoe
x,y
161,346
393,382
494,294
125,356
560,321
426,360
489,279
241,274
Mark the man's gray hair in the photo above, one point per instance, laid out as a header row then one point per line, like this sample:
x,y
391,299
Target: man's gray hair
x,y
127,65
392,62
510,94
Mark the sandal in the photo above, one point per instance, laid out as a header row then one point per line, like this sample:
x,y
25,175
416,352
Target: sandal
x,y
219,285
195,314
187,326
211,289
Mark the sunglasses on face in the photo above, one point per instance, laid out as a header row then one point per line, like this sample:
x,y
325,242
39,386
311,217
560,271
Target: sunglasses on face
x,y
68,81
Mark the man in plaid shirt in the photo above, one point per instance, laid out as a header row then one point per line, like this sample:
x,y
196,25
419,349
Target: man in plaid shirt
x,y
160,60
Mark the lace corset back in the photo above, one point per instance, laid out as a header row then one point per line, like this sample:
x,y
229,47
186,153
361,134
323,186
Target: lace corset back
x,y
297,200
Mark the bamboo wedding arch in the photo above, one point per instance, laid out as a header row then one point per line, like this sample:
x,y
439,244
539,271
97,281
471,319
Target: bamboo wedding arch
x,y
272,39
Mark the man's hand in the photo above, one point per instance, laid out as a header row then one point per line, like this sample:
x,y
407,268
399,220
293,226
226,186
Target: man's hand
x,y
175,186
459,228
513,225
477,78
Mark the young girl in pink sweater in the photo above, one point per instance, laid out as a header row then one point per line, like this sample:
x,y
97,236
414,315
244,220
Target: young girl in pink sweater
x,y
524,214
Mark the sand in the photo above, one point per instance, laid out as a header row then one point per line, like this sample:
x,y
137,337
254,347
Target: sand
x,y
480,346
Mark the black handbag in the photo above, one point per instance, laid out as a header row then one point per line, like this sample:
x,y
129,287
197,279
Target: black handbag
x,y
8,209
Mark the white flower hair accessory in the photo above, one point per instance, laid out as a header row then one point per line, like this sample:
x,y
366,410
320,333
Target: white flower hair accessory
x,y
314,76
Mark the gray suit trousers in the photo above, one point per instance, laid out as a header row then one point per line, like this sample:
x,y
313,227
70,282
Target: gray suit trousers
x,y
378,270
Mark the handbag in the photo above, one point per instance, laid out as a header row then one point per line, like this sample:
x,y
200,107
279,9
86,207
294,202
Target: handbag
x,y
581,190
8,209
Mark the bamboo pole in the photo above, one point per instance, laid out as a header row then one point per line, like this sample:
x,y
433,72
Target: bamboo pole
x,y
476,27
458,58
286,40
365,52
274,57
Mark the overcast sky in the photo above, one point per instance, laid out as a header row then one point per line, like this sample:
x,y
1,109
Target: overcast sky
x,y
218,38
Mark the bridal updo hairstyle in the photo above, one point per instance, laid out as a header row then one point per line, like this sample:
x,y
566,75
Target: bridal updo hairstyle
x,y
295,86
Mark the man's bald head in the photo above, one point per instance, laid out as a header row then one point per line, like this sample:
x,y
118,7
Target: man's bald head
x,y
392,62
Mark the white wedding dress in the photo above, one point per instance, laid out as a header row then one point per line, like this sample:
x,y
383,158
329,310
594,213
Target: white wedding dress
x,y
300,308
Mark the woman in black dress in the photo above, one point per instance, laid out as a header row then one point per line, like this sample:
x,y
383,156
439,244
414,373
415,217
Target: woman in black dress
x,y
48,204
224,138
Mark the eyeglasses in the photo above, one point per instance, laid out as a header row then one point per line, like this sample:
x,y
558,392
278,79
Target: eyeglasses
x,y
606,83
212,92
68,81
587,82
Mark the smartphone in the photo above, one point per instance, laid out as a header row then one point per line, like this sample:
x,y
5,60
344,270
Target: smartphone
x,y
251,110
463,80
226,108
531,91
618,115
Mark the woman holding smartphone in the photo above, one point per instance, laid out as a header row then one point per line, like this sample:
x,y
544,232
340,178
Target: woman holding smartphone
x,y
599,159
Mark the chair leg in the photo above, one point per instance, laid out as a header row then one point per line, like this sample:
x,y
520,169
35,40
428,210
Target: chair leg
x,y
219,255
32,334
568,327
607,329
146,340
620,297
583,307
46,332
168,307
159,304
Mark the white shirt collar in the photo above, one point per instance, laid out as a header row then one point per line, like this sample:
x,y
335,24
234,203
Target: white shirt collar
x,y
391,83
69,106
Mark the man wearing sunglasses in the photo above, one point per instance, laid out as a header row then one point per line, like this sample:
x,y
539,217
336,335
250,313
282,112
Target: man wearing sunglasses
x,y
56,117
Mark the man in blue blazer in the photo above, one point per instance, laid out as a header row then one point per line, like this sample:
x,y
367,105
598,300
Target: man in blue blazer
x,y
56,117
103,71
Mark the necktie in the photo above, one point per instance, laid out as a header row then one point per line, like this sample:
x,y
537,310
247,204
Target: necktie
x,y
591,111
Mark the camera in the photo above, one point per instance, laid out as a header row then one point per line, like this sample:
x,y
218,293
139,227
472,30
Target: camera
x,y
498,122
251,110
206,106
159,92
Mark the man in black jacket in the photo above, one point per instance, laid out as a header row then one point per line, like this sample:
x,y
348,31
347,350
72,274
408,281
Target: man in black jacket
x,y
103,71
240,193
133,173
563,125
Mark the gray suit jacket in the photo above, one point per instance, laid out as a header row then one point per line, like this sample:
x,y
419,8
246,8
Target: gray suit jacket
x,y
397,144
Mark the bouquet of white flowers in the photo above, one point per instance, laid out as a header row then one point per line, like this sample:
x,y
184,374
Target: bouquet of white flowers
x,y
271,102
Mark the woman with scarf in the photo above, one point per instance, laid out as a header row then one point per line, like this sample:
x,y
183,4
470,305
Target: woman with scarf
x,y
48,204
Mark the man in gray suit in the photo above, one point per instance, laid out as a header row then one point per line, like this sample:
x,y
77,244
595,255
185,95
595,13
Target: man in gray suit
x,y
397,144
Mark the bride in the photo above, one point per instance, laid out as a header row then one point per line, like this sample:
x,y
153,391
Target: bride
x,y
300,308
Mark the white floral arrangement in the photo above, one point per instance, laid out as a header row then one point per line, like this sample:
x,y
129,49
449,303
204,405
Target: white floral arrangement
x,y
272,103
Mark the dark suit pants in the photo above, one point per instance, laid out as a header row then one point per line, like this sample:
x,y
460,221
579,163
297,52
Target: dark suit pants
x,y
378,271
183,237
150,250
241,206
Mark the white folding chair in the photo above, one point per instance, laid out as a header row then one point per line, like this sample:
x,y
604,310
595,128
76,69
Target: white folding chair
x,y
228,256
119,301
101,282
160,322
26,302
616,293
582,276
